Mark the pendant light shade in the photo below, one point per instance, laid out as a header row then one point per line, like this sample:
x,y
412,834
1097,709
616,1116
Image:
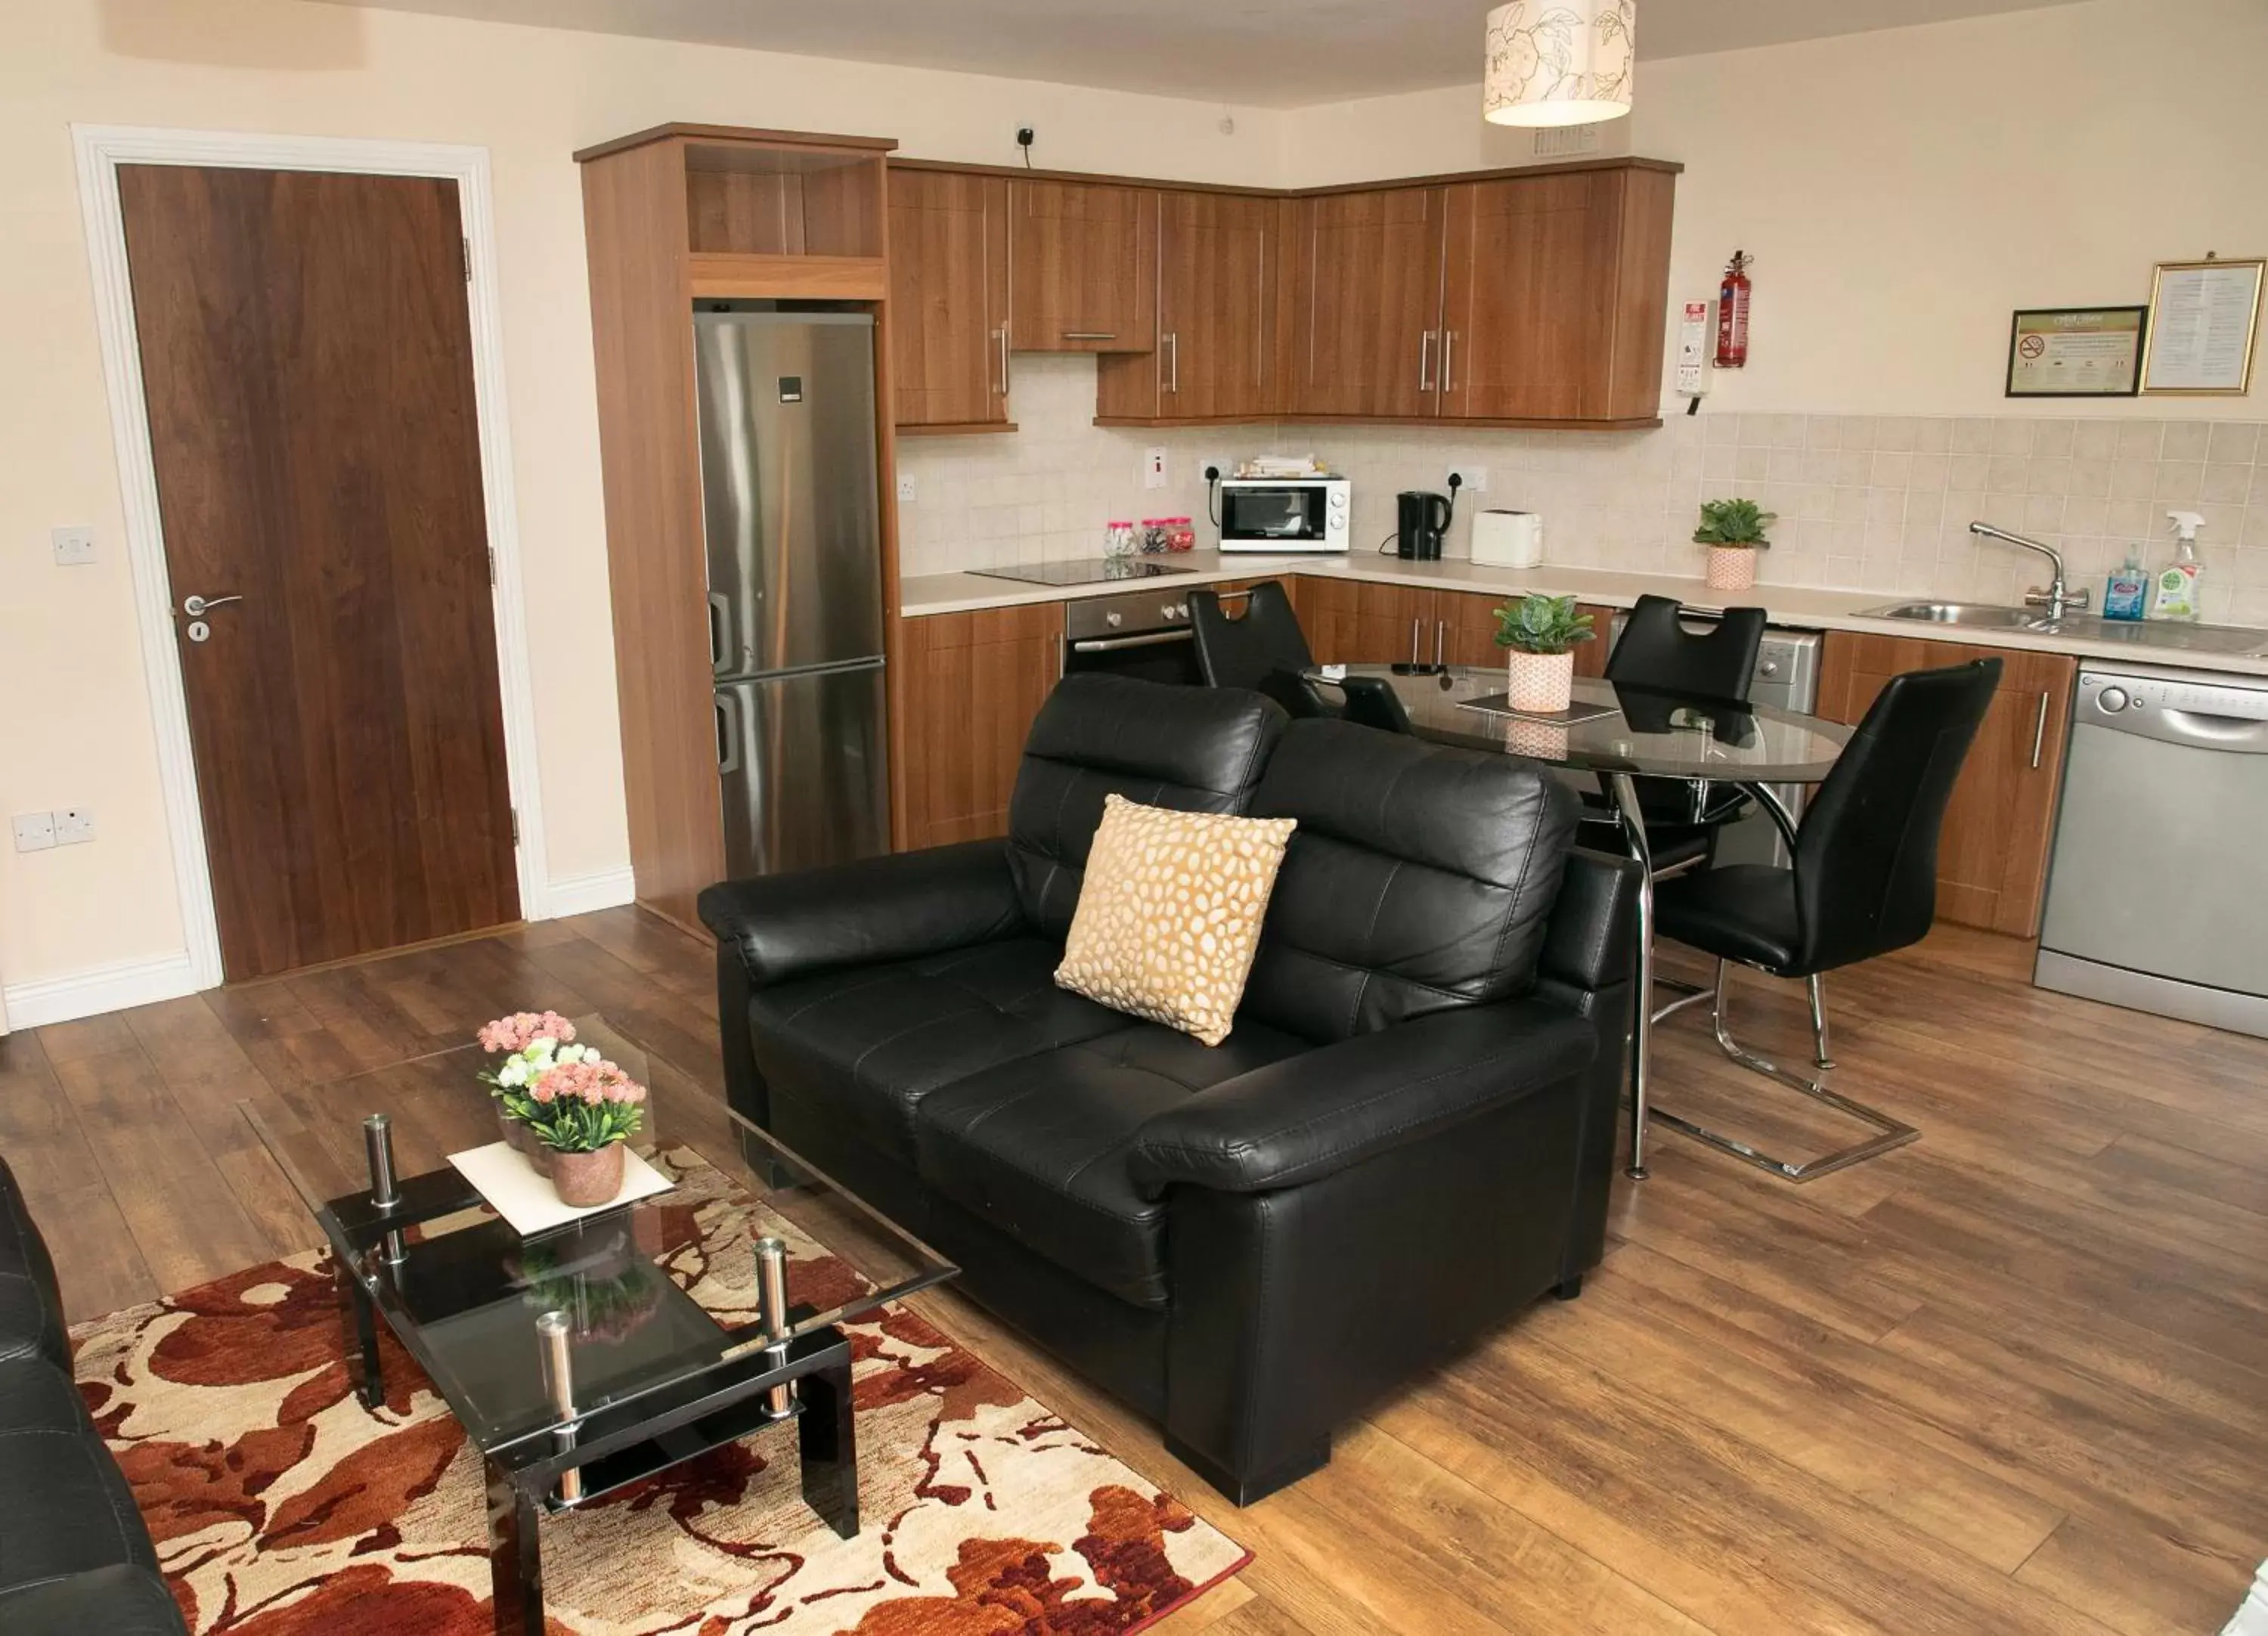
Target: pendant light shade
x,y
1558,62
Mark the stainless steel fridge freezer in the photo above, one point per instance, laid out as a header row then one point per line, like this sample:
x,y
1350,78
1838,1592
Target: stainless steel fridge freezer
x,y
792,514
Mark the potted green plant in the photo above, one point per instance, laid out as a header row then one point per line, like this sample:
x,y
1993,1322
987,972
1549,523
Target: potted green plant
x,y
1733,531
1540,634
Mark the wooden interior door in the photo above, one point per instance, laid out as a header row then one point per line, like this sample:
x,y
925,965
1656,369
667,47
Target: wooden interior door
x,y
1369,325
1530,302
1083,266
1214,303
306,359
1992,852
949,297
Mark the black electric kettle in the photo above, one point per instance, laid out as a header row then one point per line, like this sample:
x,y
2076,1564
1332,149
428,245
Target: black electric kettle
x,y
1422,520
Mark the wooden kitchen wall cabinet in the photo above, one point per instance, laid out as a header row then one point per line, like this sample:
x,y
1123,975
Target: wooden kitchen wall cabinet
x,y
1993,854
969,685
1083,266
1215,358
1366,319
949,294
1555,296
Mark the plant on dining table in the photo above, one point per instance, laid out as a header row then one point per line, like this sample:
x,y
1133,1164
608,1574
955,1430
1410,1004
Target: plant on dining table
x,y
1543,624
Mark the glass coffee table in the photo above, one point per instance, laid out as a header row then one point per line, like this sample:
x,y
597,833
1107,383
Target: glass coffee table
x,y
589,1356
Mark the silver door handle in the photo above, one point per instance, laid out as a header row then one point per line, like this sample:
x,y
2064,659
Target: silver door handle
x,y
1089,335
1440,641
2040,731
728,732
1426,362
1448,350
1112,645
1173,362
1001,334
196,607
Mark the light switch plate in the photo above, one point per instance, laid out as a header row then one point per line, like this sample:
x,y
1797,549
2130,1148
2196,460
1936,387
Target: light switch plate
x,y
1153,468
35,832
73,826
74,547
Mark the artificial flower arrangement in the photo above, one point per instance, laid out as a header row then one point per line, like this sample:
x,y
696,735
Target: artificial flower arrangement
x,y
563,1105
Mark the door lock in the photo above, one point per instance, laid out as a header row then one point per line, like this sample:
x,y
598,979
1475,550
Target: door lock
x,y
199,630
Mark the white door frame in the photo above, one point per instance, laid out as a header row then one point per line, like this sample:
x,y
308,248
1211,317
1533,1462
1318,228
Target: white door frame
x,y
101,150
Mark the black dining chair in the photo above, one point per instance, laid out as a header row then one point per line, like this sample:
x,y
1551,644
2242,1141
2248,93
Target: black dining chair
x,y
1265,651
1864,883
1656,654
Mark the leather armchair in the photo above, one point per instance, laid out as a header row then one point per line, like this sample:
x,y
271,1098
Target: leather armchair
x,y
1407,1139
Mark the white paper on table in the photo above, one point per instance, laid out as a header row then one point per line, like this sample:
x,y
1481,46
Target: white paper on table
x,y
509,1184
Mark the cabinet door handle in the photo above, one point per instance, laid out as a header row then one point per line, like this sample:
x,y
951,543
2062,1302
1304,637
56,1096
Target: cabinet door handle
x,y
1001,335
1089,335
1426,362
1441,642
1448,350
1173,362
2040,731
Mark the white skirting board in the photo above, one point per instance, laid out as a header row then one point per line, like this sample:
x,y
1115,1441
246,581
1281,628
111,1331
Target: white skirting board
x,y
169,976
106,988
2252,1618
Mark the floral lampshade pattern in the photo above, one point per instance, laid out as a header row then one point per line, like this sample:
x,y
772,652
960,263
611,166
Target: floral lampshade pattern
x,y
1559,61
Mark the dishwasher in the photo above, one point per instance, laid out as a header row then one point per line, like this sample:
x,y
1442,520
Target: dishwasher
x,y
2160,867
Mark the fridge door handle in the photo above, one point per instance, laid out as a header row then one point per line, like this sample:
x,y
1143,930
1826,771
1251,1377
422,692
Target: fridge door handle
x,y
720,630
728,732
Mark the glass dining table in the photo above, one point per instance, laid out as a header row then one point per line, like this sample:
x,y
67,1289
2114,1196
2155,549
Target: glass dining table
x,y
1621,734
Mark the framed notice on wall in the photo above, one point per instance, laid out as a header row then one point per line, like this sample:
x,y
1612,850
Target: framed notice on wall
x,y
2202,316
2077,352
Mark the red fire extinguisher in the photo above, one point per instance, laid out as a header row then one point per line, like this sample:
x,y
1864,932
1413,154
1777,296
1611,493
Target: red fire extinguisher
x,y
1732,314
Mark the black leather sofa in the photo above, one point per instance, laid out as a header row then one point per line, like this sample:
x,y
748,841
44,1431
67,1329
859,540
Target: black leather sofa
x,y
75,1558
1407,1139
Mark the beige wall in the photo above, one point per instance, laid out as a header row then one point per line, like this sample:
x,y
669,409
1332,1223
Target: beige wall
x,y
75,719
1903,191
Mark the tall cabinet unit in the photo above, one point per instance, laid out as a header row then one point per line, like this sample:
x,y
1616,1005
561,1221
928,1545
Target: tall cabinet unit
x,y
672,215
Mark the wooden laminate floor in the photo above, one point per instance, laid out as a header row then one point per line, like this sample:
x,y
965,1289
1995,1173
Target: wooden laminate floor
x,y
2012,1379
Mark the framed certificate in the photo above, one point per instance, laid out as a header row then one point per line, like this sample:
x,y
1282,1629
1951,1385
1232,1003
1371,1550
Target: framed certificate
x,y
2202,316
2077,352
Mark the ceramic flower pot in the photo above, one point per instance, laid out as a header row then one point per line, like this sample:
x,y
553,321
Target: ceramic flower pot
x,y
1732,567
525,1142
1541,681
584,1180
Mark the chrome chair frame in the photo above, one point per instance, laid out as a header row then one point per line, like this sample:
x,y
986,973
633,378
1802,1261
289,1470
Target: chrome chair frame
x,y
1890,1132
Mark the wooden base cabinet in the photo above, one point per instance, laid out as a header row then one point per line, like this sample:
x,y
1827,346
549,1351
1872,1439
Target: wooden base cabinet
x,y
1993,854
967,688
1355,622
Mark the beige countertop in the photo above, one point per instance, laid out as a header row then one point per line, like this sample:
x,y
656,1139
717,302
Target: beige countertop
x,y
1809,610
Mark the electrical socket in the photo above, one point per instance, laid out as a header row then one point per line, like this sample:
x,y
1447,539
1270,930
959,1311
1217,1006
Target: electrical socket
x,y
74,547
1153,468
1219,463
906,489
1475,478
35,832
73,826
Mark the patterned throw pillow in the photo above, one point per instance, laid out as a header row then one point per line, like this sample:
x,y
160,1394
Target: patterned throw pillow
x,y
1169,914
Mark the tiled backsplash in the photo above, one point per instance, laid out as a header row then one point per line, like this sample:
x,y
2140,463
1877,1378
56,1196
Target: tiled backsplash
x,y
1865,503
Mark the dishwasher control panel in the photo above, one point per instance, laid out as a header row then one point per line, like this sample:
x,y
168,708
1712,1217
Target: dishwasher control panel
x,y
2117,695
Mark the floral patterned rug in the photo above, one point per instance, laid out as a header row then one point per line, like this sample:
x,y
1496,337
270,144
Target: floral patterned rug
x,y
281,1508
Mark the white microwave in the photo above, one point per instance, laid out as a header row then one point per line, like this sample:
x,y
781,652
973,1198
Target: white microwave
x,y
1286,513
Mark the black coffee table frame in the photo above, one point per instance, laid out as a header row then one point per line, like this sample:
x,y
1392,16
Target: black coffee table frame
x,y
806,1379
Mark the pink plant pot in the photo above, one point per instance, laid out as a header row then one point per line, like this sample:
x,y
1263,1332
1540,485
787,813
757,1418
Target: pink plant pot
x,y
1540,682
1731,568
524,1142
585,1180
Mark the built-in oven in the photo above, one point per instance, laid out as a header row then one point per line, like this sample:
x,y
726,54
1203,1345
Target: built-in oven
x,y
1143,634
1286,513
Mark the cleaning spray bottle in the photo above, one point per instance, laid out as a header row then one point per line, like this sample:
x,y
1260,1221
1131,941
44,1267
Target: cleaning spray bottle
x,y
2178,592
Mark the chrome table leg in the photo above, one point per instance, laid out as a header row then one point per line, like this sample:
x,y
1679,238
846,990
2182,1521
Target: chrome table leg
x,y
1625,793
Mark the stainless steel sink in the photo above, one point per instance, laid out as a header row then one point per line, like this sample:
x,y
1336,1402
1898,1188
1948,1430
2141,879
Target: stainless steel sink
x,y
1979,616
2116,633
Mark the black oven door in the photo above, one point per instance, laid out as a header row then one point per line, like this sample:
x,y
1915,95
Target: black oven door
x,y
1168,656
1293,514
